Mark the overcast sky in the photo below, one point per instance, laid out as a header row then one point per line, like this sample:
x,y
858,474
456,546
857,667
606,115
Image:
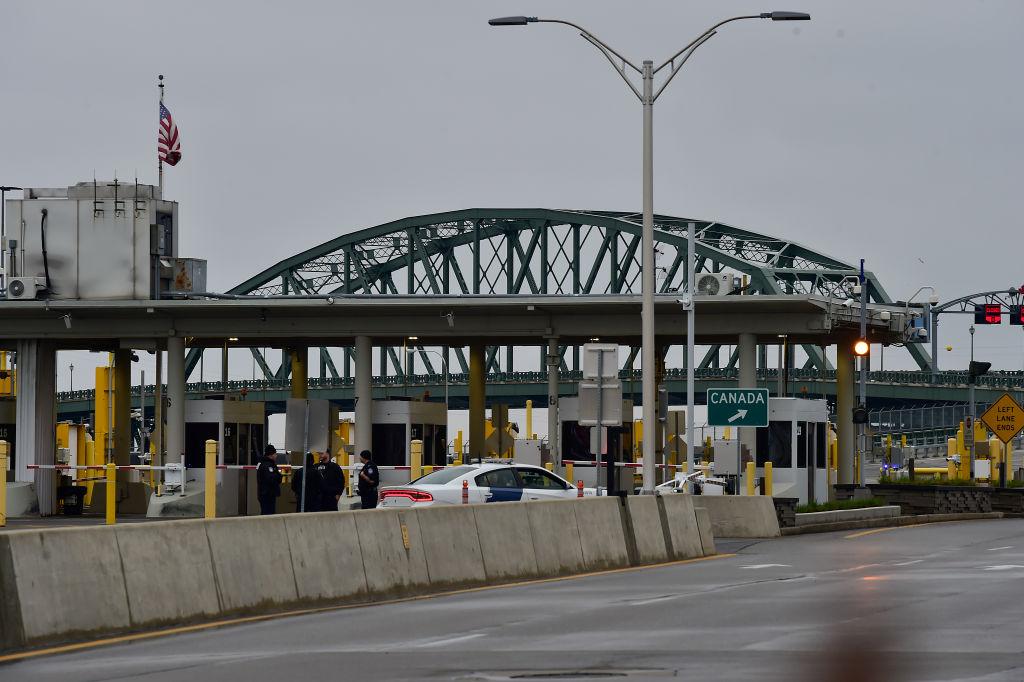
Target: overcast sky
x,y
888,131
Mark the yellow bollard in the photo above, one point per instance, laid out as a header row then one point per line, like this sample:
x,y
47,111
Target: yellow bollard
x,y
1009,461
549,466
995,449
751,473
111,493
415,459
428,469
856,467
529,419
569,472
950,470
210,474
903,441
458,448
768,479
4,449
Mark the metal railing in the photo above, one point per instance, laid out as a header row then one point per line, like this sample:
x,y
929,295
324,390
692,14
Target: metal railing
x,y
999,380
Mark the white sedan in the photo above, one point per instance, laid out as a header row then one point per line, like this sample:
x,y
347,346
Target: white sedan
x,y
486,483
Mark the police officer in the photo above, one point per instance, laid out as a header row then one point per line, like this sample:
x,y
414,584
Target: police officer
x,y
331,484
312,479
369,479
268,481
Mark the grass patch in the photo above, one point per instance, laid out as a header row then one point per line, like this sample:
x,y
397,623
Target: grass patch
x,y
925,481
839,504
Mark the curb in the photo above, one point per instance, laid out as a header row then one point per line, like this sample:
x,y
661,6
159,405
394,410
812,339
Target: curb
x,y
889,522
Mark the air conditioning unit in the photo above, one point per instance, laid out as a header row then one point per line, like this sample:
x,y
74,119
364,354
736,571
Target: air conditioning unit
x,y
716,284
25,288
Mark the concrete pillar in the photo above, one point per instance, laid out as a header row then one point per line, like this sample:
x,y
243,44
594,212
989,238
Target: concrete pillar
x,y
122,406
477,399
747,371
300,372
845,400
175,436
35,421
553,365
364,394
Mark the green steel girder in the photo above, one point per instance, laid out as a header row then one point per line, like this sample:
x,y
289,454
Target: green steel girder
x,y
545,251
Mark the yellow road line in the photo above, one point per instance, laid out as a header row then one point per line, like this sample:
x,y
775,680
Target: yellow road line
x,y
869,532
198,627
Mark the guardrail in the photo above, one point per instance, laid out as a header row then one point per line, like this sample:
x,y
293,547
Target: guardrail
x,y
1003,380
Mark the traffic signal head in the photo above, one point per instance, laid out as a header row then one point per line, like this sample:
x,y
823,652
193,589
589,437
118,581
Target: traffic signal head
x,y
860,415
988,313
861,348
1017,314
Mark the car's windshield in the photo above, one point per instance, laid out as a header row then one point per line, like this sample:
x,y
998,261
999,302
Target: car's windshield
x,y
443,476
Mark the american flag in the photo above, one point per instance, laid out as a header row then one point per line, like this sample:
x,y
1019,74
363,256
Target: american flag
x,y
168,144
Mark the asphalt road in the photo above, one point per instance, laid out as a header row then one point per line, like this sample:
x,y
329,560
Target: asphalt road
x,y
931,602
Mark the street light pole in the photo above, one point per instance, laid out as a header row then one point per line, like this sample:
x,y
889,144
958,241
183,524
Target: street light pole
x,y
72,368
970,396
647,96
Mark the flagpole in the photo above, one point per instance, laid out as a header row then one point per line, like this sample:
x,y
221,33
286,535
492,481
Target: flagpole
x,y
160,163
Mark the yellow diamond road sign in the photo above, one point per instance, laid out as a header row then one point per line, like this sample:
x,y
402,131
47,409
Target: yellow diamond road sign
x,y
1005,418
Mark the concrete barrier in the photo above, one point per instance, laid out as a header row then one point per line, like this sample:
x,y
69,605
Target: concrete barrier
x,y
325,556
737,516
169,574
837,515
506,542
679,520
79,583
602,532
51,594
394,561
647,530
451,546
707,536
556,537
252,563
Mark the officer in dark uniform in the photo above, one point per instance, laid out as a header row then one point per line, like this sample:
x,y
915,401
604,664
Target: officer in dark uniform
x,y
332,482
309,473
369,480
268,481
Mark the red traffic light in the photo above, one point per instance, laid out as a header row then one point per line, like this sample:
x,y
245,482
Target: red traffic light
x,y
988,313
1017,314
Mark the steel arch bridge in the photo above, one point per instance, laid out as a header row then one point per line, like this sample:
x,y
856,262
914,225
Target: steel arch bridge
x,y
504,251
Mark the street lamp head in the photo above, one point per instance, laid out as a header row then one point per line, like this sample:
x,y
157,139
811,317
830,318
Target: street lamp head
x,y
786,16
511,21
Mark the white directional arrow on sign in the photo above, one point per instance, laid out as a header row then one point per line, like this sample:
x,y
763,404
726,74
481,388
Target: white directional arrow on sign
x,y
740,414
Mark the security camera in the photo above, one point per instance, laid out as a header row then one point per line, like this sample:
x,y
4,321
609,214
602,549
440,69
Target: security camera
x,y
848,303
855,290
450,319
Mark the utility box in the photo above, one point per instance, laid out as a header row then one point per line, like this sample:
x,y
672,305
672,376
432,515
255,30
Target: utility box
x,y
531,451
94,240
